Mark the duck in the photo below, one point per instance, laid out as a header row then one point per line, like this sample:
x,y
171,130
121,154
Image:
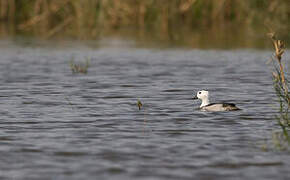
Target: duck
x,y
203,95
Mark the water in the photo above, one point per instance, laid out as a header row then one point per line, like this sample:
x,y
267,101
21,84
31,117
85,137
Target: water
x,y
59,125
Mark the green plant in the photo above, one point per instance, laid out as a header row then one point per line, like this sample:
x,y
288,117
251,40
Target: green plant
x,y
80,67
281,86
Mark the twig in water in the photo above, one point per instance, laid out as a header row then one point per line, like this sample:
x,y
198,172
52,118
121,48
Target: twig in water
x,y
139,104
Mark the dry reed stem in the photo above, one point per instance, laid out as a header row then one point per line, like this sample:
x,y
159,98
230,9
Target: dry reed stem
x,y
34,20
4,8
186,5
59,27
8,9
12,10
279,47
281,88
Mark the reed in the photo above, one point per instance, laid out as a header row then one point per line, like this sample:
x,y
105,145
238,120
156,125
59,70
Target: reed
x,y
161,19
281,85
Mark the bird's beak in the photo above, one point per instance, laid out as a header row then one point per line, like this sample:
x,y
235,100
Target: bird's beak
x,y
195,97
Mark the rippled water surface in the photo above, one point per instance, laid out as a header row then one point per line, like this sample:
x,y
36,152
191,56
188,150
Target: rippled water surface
x,y
59,125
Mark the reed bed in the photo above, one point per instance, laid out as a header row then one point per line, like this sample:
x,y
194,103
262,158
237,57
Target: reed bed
x,y
162,19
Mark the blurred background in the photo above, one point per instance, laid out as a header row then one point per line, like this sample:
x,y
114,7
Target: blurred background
x,y
189,23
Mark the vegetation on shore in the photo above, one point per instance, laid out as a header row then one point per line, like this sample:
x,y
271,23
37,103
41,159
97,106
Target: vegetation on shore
x,y
189,21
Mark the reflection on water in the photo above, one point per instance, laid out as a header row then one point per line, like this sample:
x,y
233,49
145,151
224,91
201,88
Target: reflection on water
x,y
59,125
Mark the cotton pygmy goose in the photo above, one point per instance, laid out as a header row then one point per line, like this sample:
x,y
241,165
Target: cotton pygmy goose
x,y
207,106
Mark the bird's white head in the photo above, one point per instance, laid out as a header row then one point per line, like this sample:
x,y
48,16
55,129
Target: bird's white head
x,y
203,96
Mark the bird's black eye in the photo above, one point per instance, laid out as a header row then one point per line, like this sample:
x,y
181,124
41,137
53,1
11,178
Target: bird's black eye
x,y
199,92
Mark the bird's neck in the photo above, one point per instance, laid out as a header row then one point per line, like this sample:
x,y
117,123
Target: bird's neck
x,y
204,102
